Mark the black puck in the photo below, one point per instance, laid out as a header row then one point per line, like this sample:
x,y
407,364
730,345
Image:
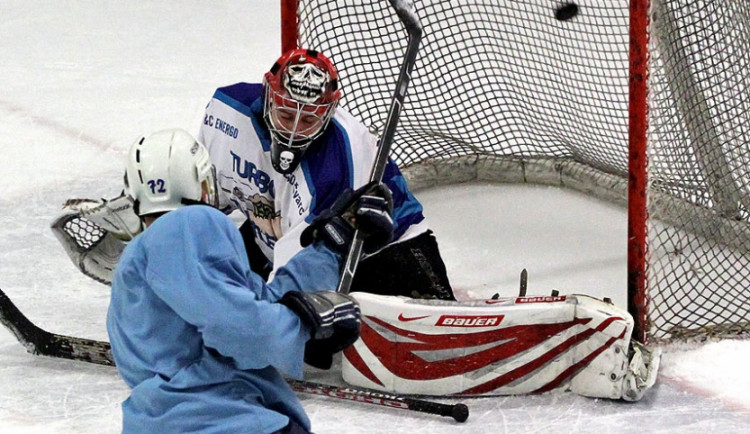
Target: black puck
x,y
566,11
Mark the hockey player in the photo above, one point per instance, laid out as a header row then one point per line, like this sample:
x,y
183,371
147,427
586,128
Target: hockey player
x,y
284,151
202,340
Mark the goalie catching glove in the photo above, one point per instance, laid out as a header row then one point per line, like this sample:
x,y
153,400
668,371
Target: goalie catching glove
x,y
333,319
95,232
368,209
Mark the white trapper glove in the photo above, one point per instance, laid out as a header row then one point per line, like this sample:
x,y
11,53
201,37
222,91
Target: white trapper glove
x,y
95,232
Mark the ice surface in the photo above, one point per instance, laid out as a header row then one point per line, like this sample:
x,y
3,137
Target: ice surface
x,y
80,80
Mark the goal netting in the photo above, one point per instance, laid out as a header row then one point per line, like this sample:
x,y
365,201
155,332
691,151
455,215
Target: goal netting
x,y
504,91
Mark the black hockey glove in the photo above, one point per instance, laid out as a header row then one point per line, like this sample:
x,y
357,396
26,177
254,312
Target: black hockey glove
x,y
368,209
333,319
258,261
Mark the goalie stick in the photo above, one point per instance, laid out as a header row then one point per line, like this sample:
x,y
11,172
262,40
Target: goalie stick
x,y
409,19
40,342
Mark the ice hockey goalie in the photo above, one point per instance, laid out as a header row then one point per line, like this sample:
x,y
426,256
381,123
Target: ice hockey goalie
x,y
507,346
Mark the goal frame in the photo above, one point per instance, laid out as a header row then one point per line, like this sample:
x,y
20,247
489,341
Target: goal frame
x,y
637,166
638,129
662,131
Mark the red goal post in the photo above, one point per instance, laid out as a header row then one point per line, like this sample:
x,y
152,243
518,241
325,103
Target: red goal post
x,y
645,104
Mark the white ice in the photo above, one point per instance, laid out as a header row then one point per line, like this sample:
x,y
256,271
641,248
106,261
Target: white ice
x,y
80,80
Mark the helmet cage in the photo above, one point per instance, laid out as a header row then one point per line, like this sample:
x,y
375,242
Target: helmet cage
x,y
292,123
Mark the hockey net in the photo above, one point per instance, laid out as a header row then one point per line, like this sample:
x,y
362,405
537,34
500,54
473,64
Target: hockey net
x,y
503,91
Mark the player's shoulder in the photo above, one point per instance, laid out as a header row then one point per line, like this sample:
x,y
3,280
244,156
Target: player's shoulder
x,y
199,213
344,117
350,130
193,218
242,93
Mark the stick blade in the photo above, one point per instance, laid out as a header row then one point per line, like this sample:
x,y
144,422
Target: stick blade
x,y
43,343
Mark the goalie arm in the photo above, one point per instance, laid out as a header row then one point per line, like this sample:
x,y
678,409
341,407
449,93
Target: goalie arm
x,y
94,233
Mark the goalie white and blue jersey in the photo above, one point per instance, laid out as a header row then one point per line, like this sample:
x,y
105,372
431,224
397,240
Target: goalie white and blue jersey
x,y
281,206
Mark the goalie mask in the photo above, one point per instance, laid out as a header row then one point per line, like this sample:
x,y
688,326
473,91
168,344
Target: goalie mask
x,y
167,170
301,94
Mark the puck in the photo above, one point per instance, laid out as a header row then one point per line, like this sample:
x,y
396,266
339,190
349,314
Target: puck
x,y
460,412
566,11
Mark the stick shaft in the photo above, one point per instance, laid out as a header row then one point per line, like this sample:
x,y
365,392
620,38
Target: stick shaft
x,y
414,30
372,397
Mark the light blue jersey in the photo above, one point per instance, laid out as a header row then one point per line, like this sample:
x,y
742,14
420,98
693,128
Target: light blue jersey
x,y
198,336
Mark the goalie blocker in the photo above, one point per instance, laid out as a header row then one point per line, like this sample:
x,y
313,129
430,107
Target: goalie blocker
x,y
508,346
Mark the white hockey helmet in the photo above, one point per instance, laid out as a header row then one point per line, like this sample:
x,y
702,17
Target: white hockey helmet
x,y
167,170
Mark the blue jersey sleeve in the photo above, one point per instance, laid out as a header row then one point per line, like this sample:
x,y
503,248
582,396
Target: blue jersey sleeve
x,y
205,279
314,268
407,210
328,168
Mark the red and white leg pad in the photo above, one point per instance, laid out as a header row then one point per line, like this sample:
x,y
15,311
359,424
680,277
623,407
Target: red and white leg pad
x,y
507,346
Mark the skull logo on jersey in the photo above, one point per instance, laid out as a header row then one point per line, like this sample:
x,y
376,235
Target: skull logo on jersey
x,y
305,82
286,159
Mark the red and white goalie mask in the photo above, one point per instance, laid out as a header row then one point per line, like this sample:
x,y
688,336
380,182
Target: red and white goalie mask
x,y
301,94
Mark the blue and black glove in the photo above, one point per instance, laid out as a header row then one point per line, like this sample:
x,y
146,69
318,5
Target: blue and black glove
x,y
368,209
333,319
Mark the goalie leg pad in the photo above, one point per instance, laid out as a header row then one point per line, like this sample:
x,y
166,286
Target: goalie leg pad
x,y
491,347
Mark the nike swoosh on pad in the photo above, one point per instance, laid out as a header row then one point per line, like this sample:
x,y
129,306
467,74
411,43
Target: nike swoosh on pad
x,y
401,317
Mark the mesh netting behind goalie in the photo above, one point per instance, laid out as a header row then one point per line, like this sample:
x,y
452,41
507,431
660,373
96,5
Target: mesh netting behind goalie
x,y
506,91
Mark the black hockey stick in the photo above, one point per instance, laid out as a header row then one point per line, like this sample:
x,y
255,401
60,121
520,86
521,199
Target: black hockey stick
x,y
414,29
459,412
43,343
